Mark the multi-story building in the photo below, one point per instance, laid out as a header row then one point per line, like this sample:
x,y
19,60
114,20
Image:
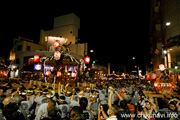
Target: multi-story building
x,y
165,33
65,26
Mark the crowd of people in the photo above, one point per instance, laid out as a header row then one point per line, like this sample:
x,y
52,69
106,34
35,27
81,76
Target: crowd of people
x,y
107,100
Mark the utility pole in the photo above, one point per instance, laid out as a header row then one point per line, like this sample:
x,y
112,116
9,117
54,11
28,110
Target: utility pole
x,y
109,69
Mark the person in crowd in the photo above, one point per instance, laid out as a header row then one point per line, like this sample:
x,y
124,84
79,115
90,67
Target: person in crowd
x,y
10,112
30,94
68,94
17,100
87,92
26,105
40,99
112,113
43,109
53,114
174,107
7,100
88,115
93,107
76,113
63,107
2,93
74,101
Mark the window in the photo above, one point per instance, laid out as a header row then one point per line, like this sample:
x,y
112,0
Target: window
x,y
19,47
28,48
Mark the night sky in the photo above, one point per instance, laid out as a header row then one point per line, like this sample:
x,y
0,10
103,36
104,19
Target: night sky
x,y
116,31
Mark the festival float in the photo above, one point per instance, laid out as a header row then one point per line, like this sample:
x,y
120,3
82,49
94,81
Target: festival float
x,y
61,64
164,83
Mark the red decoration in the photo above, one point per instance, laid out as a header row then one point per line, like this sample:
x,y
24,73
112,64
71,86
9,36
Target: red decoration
x,y
58,74
57,55
56,44
154,76
155,84
148,77
179,77
73,74
161,67
36,58
87,60
48,73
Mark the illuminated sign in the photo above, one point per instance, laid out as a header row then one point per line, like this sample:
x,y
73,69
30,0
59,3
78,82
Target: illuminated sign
x,y
52,39
46,67
37,67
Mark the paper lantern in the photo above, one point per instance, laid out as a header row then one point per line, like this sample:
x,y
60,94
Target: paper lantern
x,y
179,77
155,84
48,73
154,76
73,74
57,55
58,74
36,58
56,44
87,60
161,67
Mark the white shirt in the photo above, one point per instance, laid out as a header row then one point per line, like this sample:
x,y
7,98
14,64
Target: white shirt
x,y
112,118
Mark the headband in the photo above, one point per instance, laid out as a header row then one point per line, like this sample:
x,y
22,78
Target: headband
x,y
88,88
93,96
111,87
68,92
29,91
49,96
53,92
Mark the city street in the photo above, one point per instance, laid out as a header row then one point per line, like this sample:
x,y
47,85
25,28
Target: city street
x,y
91,61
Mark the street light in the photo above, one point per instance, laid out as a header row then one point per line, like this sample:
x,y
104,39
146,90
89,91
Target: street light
x,y
165,51
168,23
91,51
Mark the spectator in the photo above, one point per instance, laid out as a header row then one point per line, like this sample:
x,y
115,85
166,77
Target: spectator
x,y
112,112
63,107
10,112
17,100
93,107
43,108
2,92
86,112
76,113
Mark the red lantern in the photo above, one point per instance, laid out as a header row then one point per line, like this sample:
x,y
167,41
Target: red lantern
x,y
48,73
155,84
179,77
154,76
87,60
56,44
57,55
148,77
58,74
161,67
36,58
73,74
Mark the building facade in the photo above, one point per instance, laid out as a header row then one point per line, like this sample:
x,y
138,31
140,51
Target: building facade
x,y
165,33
